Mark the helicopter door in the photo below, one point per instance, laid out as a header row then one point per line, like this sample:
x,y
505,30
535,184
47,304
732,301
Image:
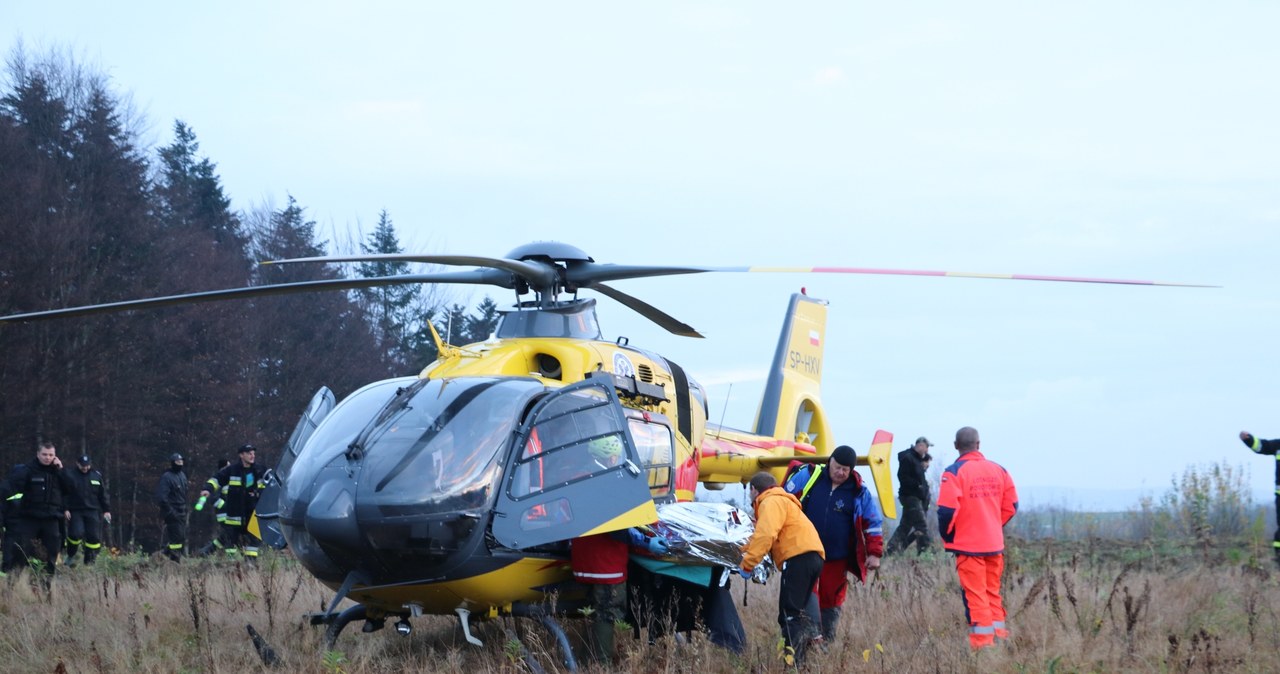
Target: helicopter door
x,y
574,471
265,522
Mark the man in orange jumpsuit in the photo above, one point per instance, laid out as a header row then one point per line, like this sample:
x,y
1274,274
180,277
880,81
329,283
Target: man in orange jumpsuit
x,y
976,499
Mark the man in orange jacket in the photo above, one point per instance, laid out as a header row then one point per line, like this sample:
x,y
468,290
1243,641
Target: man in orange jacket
x,y
786,534
976,499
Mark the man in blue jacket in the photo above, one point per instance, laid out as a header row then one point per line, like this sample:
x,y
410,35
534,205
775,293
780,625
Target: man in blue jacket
x,y
848,522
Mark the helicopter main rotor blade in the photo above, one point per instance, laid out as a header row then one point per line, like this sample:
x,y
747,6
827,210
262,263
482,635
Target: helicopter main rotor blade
x,y
951,274
488,277
664,320
538,275
577,273
587,274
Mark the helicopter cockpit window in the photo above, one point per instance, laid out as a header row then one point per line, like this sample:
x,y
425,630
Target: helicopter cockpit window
x,y
569,443
572,469
654,446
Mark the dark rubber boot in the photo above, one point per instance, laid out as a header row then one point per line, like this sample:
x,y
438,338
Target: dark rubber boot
x,y
830,621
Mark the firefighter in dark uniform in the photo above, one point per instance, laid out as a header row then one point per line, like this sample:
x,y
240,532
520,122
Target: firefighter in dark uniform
x,y
171,497
43,492
1269,448
89,507
219,513
238,486
9,503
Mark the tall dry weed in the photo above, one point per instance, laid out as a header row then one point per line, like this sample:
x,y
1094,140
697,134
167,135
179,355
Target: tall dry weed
x,y
1072,608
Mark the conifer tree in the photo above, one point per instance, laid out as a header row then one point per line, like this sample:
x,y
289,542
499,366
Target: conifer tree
x,y
304,340
392,308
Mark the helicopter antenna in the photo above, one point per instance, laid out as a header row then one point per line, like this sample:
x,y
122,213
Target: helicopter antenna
x,y
725,410
442,347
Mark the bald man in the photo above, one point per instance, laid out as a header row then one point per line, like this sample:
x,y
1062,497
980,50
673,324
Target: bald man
x,y
976,499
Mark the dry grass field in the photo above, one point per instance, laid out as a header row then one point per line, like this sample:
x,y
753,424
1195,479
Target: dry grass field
x,y
1090,606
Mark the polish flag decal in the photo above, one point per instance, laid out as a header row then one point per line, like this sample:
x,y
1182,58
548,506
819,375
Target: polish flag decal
x,y
814,338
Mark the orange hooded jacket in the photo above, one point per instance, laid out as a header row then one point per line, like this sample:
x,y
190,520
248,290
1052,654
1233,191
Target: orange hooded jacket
x,y
782,530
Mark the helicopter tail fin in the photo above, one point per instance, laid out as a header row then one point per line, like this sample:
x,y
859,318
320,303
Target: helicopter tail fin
x,y
791,408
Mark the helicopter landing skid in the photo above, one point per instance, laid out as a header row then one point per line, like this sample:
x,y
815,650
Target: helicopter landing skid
x,y
464,618
337,623
548,621
525,655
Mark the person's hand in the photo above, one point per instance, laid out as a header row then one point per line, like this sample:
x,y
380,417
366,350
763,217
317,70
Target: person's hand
x,y
873,562
57,463
66,514
1247,438
204,493
744,573
107,517
659,546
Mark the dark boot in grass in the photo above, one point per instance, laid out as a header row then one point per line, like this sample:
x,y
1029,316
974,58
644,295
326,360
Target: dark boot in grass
x,y
830,621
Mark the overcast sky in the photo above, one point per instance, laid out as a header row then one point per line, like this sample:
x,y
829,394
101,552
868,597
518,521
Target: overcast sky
x,y
1125,140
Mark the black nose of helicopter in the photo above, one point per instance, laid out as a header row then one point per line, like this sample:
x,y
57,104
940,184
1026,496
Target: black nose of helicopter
x,y
331,516
401,475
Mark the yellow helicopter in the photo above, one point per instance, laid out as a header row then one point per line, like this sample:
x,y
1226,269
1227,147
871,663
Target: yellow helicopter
x,y
454,492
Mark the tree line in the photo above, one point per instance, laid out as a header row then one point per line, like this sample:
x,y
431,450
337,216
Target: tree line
x,y
88,215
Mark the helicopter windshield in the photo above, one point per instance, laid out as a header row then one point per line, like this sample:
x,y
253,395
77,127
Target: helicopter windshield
x,y
434,449
336,432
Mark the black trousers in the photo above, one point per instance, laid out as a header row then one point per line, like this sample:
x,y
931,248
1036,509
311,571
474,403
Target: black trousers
x,y
665,604
10,545
40,539
175,533
85,527
236,538
799,575
913,528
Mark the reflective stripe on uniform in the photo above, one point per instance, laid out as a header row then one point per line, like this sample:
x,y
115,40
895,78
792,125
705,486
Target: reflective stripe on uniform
x,y
175,546
93,546
583,574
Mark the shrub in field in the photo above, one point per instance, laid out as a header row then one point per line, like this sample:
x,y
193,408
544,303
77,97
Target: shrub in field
x,y
1204,503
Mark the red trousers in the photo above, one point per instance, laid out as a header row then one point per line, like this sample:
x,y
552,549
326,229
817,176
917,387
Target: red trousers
x,y
832,584
983,607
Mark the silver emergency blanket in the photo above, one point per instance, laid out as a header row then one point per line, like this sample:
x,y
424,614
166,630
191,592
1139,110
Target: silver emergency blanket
x,y
705,533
